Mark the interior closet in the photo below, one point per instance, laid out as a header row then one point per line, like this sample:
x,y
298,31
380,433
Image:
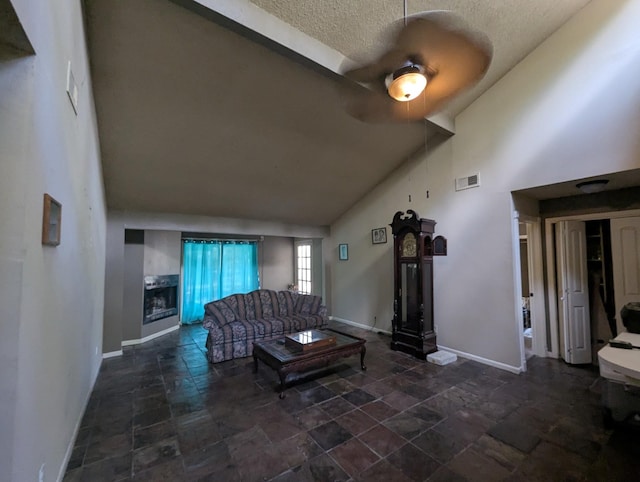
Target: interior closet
x,y
601,289
597,272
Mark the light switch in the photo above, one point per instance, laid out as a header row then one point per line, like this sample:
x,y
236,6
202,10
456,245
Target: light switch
x,y
72,89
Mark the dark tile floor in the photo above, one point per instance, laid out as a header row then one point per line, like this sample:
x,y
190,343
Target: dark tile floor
x,y
161,412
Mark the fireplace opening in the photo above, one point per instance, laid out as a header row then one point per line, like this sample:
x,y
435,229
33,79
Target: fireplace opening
x,y
160,297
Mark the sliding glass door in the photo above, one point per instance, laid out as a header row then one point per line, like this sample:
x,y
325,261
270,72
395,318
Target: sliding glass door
x,y
213,269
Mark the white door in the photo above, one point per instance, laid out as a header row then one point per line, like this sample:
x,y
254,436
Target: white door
x,y
573,292
625,252
536,288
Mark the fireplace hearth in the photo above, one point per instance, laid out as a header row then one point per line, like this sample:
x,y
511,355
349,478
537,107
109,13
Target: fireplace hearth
x,y
160,297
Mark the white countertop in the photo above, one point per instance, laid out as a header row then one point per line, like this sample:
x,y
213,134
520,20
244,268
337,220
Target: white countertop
x,y
621,364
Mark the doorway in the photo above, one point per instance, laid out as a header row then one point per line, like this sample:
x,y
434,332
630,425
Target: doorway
x,y
525,283
586,261
583,287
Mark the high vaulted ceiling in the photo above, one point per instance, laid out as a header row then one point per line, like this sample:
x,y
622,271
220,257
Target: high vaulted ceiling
x,y
200,114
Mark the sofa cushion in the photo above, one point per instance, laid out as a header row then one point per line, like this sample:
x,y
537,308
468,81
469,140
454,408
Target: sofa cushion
x,y
306,322
253,330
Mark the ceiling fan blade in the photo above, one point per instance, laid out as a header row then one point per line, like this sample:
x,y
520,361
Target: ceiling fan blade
x,y
454,55
370,105
377,70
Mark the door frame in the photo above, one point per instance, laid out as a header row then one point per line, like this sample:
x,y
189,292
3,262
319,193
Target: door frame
x,y
551,281
536,285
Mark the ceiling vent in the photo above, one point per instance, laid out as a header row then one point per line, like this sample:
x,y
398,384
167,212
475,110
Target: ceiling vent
x,y
467,182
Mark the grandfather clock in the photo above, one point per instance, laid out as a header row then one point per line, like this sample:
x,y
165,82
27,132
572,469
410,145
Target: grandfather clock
x,y
413,250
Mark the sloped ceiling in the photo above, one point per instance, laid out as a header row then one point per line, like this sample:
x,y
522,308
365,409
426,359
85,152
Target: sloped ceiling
x,y
199,115
13,39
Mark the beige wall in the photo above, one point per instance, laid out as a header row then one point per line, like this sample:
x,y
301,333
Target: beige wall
x,y
162,255
276,262
51,298
130,318
553,118
115,267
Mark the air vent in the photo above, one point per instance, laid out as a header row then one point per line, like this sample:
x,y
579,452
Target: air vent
x,y
467,182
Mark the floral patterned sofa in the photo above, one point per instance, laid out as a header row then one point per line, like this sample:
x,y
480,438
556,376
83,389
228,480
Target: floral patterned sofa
x,y
236,321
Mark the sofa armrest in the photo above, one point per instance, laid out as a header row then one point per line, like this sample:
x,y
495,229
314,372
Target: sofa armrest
x,y
308,305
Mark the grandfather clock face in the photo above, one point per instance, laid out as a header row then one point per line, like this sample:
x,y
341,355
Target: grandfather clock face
x,y
409,244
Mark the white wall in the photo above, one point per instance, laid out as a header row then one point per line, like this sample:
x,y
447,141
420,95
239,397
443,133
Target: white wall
x,y
568,110
51,297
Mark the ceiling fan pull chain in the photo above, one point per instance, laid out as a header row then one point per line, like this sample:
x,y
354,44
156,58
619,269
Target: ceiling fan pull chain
x,y
405,13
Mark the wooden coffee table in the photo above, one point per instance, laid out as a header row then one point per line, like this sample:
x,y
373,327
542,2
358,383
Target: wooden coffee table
x,y
285,361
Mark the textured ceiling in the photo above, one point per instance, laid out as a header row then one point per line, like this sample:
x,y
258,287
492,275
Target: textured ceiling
x,y
356,28
196,117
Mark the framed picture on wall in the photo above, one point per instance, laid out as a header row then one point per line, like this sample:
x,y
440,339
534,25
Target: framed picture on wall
x,y
51,221
343,252
379,236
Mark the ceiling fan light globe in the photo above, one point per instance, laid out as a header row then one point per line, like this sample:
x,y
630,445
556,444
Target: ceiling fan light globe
x,y
407,86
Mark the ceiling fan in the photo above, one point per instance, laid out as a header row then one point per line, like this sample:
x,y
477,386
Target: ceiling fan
x,y
432,57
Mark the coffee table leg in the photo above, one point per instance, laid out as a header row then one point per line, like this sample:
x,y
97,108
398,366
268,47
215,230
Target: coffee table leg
x,y
363,352
283,377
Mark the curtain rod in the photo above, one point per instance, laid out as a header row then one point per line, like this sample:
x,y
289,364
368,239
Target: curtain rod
x,y
235,240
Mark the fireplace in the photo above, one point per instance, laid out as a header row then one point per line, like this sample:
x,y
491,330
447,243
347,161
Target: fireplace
x,y
160,297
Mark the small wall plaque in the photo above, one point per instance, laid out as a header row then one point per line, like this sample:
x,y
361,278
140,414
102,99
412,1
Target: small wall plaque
x,y
51,221
343,252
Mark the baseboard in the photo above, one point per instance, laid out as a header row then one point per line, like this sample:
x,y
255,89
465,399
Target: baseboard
x,y
150,337
72,442
484,361
360,325
111,354
469,356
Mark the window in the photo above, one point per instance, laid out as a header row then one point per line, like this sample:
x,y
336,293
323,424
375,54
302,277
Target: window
x,y
303,266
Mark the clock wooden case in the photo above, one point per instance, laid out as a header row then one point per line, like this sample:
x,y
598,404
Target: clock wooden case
x,y
412,325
